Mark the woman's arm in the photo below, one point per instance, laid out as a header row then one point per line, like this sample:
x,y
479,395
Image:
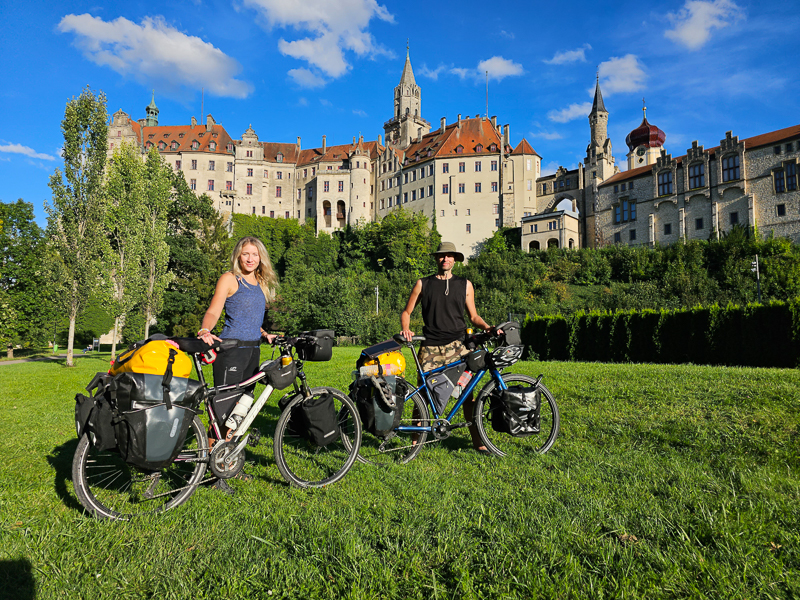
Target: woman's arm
x,y
226,287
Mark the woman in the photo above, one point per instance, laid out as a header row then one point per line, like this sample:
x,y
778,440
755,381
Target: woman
x,y
244,292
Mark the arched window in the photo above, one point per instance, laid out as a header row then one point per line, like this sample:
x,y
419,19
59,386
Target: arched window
x,y
534,245
552,243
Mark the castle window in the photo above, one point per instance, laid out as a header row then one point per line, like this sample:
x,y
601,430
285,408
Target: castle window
x,y
494,186
445,188
494,165
459,149
477,166
495,209
210,185
632,235
730,168
279,158
326,186
477,188
194,165
479,148
697,176
174,145
249,172
229,185
249,153
445,168
229,167
177,165
462,187
442,213
630,185
780,183
279,175
230,147
278,192
776,150
286,214
430,170
667,228
469,211
493,148
212,146
791,176
180,135
161,145
272,214
462,167
780,210
698,223
622,187
469,228
665,183
211,165
413,195
789,147
266,174
193,184
617,237
195,145
616,189
263,210
249,189
341,186
734,218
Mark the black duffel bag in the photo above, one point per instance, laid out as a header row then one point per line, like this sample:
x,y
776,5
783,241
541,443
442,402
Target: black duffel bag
x,y
515,411
380,402
313,419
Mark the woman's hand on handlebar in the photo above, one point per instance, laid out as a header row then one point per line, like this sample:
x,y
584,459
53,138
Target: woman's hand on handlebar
x,y
208,337
270,337
407,334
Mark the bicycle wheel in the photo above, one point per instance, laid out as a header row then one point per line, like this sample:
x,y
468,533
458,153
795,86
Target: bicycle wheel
x,y
400,447
502,443
303,463
110,488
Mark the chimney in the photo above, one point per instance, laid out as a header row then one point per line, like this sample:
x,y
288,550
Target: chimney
x,y
354,140
443,123
360,139
380,140
574,206
494,122
194,123
459,120
141,122
324,144
507,135
298,143
477,116
210,122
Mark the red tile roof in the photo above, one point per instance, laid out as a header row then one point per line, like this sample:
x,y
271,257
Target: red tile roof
x,y
336,153
472,134
524,148
757,141
172,133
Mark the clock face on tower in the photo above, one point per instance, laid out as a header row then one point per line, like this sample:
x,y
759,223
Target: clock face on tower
x,y
640,151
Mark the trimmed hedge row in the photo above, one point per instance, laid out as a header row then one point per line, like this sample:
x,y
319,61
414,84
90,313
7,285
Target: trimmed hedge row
x,y
756,335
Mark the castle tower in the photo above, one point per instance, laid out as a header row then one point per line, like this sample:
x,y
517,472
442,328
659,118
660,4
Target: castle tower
x,y
360,197
644,143
599,166
407,123
152,113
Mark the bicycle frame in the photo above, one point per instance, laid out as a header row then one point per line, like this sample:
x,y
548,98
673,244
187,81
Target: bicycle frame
x,y
465,393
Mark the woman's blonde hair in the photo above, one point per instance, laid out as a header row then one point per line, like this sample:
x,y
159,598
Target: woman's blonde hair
x,y
265,274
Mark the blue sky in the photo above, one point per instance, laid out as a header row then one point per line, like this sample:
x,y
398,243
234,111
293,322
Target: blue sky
x,y
312,67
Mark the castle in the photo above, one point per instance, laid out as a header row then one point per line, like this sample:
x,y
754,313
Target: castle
x,y
468,178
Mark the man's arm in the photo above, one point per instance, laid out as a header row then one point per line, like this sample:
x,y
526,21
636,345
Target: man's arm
x,y
405,316
472,311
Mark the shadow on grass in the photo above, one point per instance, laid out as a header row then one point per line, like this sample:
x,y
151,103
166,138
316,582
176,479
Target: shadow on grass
x,y
16,579
97,358
61,461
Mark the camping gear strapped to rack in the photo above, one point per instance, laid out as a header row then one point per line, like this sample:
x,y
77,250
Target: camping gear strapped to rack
x,y
378,387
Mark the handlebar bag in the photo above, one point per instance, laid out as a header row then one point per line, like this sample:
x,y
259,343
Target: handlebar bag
x,y
512,333
515,411
476,361
313,419
321,349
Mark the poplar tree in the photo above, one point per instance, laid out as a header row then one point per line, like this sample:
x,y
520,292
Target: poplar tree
x,y
77,213
125,226
155,255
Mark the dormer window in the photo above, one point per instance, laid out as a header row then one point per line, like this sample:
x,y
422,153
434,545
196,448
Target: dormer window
x,y
201,134
214,134
279,158
166,135
479,148
151,135
161,145
212,146
493,148
180,135
459,149
174,145
230,147
195,145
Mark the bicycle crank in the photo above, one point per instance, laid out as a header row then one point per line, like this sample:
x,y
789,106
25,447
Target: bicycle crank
x,y
227,459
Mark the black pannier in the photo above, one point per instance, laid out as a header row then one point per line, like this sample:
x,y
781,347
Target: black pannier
x,y
152,420
321,349
380,402
279,376
516,411
94,415
313,419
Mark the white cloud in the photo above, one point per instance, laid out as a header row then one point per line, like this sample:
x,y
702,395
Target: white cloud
x,y
621,74
547,135
302,101
431,73
498,67
693,23
335,26
569,56
549,168
305,78
325,102
25,151
572,112
507,34
360,113
154,52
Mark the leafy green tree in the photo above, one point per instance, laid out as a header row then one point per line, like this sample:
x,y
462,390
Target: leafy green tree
x,y
125,216
8,321
77,213
155,254
23,273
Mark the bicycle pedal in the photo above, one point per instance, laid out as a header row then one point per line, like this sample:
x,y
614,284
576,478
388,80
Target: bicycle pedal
x,y
458,425
255,437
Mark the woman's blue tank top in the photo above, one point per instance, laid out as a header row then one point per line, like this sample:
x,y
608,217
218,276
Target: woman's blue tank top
x,y
244,313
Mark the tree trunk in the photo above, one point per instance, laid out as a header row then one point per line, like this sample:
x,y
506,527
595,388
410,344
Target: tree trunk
x,y
71,341
114,340
146,324
10,352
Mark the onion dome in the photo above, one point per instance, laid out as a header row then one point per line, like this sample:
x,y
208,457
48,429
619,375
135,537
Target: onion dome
x,y
645,135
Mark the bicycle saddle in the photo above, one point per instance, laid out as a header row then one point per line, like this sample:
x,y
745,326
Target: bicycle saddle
x,y
198,346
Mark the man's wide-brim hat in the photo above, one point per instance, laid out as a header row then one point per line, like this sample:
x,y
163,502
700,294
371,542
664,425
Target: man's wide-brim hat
x,y
449,248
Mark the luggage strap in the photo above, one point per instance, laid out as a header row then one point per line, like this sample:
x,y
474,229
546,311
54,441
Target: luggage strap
x,y
168,377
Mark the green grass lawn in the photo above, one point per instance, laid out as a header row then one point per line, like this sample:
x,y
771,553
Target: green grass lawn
x,y
666,482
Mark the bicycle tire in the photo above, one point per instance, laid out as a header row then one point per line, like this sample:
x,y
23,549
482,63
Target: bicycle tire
x,y
504,444
304,464
401,447
110,488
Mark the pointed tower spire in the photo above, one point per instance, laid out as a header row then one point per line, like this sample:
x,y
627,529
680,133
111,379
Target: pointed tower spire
x,y
152,112
598,97
407,78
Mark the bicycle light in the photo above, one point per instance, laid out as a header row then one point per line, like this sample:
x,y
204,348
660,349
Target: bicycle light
x,y
286,361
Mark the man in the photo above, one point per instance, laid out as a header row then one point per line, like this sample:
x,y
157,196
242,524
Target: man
x,y
444,297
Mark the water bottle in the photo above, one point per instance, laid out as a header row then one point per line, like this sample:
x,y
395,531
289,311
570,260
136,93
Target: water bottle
x,y
462,382
239,412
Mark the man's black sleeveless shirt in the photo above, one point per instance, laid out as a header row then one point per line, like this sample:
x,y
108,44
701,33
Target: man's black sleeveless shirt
x,y
443,315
